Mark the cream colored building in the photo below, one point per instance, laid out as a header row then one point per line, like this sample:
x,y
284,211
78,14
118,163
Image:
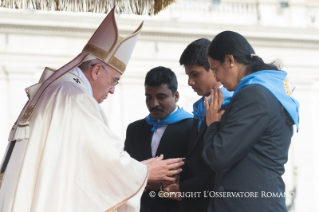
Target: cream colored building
x,y
284,30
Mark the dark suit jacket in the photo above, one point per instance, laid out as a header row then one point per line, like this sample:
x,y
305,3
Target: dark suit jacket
x,y
248,150
199,177
173,144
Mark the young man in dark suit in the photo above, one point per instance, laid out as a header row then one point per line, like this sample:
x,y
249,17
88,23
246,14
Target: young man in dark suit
x,y
197,175
166,130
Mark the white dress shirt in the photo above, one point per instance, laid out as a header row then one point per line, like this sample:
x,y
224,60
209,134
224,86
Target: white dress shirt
x,y
157,135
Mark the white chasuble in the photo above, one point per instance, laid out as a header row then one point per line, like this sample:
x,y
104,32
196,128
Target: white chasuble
x,y
72,161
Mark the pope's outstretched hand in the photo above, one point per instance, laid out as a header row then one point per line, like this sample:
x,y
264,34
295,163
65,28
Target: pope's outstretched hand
x,y
160,169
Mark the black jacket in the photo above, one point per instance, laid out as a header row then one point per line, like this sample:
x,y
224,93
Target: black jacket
x,y
197,175
248,150
173,144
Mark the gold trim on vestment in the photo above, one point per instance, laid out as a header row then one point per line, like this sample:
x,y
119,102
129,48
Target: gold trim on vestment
x,y
120,203
14,128
96,51
27,114
117,63
21,126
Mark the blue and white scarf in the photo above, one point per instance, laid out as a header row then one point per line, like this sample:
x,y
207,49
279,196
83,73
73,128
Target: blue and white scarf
x,y
173,118
274,82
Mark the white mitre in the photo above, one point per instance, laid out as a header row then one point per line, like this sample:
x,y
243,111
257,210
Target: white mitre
x,y
109,47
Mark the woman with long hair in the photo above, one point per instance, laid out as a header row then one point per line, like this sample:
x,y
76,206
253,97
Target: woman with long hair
x,y
248,137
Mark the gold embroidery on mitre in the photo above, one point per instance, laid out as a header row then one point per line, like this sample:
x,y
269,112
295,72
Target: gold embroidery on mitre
x,y
27,114
117,63
287,87
96,51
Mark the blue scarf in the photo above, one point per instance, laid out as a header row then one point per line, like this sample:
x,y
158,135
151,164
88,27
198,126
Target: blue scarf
x,y
175,117
273,81
200,108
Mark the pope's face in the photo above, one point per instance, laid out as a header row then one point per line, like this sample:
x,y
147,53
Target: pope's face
x,y
160,101
200,80
103,85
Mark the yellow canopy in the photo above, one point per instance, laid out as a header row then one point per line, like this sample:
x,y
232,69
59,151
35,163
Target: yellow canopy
x,y
140,7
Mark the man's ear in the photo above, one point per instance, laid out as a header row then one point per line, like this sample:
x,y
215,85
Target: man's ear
x,y
95,71
176,95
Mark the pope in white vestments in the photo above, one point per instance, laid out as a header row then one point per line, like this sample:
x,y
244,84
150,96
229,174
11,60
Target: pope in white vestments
x,y
62,155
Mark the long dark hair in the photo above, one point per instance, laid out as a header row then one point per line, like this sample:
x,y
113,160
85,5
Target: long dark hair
x,y
232,43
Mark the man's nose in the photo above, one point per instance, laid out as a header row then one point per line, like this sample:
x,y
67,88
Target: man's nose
x,y
112,90
190,82
154,102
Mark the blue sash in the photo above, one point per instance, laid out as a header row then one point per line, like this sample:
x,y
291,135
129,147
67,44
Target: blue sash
x,y
200,108
175,117
274,82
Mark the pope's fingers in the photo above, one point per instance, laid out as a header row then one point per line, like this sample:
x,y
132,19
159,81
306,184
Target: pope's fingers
x,y
175,165
173,160
158,158
147,161
176,171
173,173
